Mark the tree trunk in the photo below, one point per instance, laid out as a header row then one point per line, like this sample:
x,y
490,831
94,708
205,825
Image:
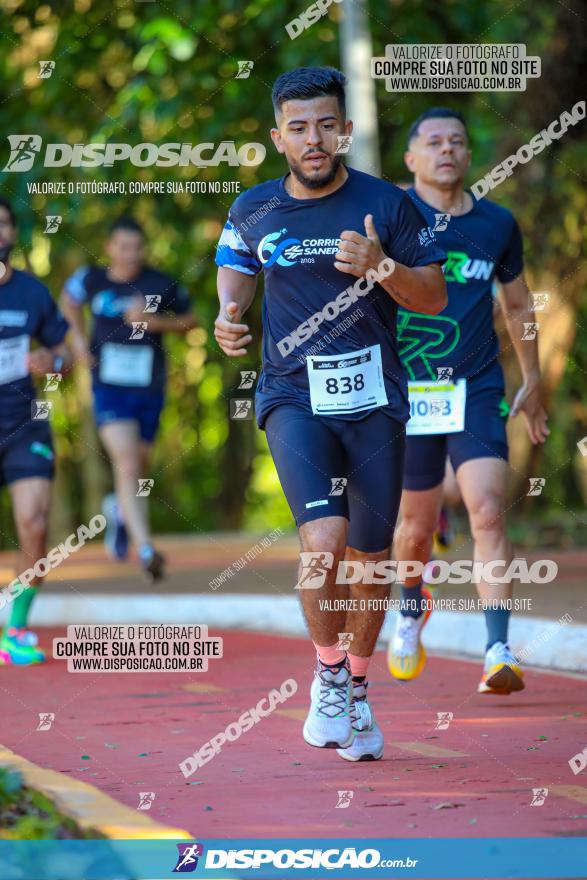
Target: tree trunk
x,y
357,51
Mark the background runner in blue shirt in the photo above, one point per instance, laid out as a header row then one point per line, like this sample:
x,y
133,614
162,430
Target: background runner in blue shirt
x,y
132,305
483,244
332,392
28,316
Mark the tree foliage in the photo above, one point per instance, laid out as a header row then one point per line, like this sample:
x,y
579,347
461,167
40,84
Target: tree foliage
x,y
130,72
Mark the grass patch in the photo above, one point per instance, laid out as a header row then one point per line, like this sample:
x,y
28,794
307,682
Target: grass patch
x,y
26,814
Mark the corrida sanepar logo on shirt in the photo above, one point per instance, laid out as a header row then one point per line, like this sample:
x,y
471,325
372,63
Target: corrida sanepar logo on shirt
x,y
290,251
460,267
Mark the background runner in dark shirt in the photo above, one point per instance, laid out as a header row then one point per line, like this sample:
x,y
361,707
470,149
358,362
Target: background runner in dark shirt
x,y
132,305
32,335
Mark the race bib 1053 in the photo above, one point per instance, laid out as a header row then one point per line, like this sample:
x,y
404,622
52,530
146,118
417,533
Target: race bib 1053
x,y
437,407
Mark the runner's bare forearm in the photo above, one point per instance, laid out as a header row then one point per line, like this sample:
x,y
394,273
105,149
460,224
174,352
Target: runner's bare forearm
x,y
172,323
420,289
236,287
518,311
73,313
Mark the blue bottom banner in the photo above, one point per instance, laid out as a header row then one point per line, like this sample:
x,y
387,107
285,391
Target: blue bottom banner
x,y
508,857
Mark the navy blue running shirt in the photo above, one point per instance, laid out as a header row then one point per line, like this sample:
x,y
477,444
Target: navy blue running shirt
x,y
483,245
294,242
27,312
122,362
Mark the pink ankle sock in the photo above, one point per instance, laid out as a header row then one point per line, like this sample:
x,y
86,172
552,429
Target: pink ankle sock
x,y
359,665
330,654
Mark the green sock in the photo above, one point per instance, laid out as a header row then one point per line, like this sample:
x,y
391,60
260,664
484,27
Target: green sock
x,y
20,607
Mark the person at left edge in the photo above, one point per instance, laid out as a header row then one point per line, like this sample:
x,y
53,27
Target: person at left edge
x,y
132,306
27,313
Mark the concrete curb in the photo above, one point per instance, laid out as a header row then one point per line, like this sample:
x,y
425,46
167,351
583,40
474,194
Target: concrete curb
x,y
90,808
541,642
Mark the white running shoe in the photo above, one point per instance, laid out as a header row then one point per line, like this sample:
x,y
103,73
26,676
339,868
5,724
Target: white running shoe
x,y
368,742
501,673
328,725
406,655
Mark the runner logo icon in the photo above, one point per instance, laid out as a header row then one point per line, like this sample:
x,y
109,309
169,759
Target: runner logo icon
x,y
444,719
244,69
314,568
41,409
241,409
530,331
187,860
146,799
46,719
23,151
537,484
138,329
441,222
153,301
539,795
344,799
52,222
343,143
344,641
145,486
46,68
247,379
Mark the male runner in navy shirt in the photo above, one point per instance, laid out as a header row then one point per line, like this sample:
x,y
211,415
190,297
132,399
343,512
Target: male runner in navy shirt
x,y
132,306
28,314
459,348
332,393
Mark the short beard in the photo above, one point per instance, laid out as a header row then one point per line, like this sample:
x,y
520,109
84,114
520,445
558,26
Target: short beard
x,y
5,252
316,182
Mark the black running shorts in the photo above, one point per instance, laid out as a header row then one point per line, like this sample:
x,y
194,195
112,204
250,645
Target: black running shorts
x,y
335,467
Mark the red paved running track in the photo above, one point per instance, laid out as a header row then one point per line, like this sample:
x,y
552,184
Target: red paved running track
x,y
135,728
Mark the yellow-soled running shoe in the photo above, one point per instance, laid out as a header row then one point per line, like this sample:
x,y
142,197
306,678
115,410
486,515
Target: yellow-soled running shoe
x,y
501,673
406,656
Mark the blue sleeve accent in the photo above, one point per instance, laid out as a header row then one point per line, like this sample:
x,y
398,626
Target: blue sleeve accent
x,y
232,252
75,285
511,263
412,241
